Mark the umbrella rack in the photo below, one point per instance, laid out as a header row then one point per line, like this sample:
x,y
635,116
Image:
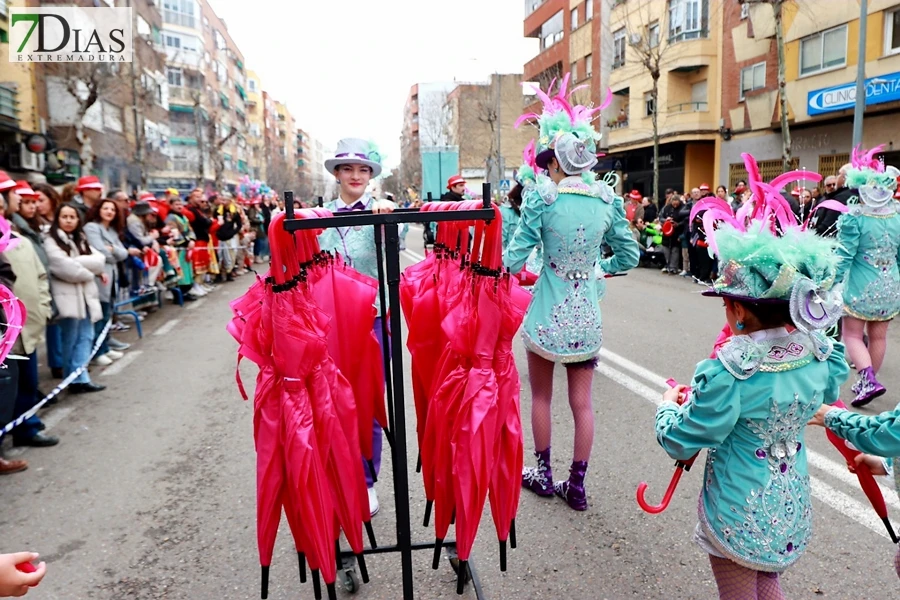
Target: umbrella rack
x,y
387,246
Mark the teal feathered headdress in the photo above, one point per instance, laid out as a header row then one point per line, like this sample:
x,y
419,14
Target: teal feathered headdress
x,y
767,256
560,116
874,182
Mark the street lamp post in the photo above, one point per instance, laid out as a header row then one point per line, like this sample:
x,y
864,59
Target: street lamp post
x,y
860,108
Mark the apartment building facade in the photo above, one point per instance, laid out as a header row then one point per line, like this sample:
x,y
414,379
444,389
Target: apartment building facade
x,y
482,116
678,40
821,58
256,125
425,143
207,99
550,21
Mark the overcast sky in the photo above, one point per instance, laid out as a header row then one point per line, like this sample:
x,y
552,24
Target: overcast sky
x,y
344,67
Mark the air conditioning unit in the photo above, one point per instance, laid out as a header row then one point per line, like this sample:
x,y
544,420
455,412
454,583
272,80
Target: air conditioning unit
x,y
26,161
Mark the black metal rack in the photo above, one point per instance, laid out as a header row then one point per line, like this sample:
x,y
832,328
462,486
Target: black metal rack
x,y
388,255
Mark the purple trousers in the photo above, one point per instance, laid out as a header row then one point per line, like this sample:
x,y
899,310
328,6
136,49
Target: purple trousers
x,y
377,438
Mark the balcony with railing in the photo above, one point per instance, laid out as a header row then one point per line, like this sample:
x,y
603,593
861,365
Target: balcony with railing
x,y
182,130
689,107
9,105
172,17
182,95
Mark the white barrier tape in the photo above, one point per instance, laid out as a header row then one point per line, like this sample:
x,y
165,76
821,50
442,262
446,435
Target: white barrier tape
x,y
62,385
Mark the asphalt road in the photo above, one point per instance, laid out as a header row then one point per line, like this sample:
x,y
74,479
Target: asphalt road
x,y
151,493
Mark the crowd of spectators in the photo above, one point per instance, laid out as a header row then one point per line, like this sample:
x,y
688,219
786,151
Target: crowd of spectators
x,y
83,257
676,244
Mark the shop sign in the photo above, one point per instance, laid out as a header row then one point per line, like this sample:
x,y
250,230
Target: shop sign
x,y
884,88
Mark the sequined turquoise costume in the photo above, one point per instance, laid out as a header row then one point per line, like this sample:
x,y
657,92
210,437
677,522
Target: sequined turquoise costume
x,y
510,223
869,241
571,222
355,244
872,434
750,407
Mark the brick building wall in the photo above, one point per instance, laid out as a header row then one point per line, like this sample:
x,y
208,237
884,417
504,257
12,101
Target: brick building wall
x,y
740,49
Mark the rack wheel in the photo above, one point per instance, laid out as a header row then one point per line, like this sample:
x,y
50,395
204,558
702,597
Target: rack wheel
x,y
350,581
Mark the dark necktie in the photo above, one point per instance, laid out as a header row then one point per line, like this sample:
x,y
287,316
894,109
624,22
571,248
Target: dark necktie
x,y
358,206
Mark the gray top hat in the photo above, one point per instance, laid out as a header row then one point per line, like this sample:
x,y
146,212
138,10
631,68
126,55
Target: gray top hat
x,y
354,151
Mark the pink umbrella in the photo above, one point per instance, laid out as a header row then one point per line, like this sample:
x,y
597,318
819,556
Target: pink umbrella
x,y
475,438
506,481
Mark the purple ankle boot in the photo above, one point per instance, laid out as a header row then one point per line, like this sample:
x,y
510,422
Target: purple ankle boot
x,y
868,389
539,479
572,490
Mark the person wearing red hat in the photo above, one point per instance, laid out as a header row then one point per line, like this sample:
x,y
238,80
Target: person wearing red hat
x,y
705,190
89,190
6,182
32,288
634,210
456,187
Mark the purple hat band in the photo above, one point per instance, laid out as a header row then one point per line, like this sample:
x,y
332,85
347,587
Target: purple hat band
x,y
351,155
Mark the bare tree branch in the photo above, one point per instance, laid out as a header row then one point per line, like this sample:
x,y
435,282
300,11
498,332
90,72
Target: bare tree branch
x,y
86,83
778,11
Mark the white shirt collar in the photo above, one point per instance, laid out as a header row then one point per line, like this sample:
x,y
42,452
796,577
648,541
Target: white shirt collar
x,y
768,334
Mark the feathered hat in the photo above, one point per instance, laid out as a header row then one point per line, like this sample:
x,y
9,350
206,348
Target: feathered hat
x,y
767,256
354,151
874,181
565,131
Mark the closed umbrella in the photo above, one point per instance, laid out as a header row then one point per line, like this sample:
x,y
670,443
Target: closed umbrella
x,y
506,480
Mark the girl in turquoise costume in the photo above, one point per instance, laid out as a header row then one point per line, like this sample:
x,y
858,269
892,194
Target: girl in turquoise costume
x,y
877,435
355,163
571,215
869,236
750,404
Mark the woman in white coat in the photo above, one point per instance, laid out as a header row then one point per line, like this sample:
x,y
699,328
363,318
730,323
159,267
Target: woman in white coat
x,y
73,266
102,229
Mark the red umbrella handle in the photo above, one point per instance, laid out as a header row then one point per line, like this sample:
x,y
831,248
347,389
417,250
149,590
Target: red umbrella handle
x,y
864,475
680,467
27,567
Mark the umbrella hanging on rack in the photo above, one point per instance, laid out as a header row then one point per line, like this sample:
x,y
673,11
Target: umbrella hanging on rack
x,y
506,480
446,380
334,406
475,431
296,353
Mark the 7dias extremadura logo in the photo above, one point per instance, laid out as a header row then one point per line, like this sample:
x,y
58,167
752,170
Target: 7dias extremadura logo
x,y
70,34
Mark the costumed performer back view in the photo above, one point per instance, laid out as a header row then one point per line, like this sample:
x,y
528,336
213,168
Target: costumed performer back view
x,y
749,405
869,237
355,163
570,215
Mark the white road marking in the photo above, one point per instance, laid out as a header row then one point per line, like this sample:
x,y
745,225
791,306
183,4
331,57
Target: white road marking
x,y
55,417
840,472
195,304
839,501
635,368
50,421
119,366
414,255
167,327
848,506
